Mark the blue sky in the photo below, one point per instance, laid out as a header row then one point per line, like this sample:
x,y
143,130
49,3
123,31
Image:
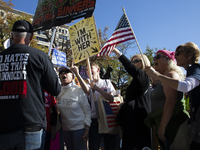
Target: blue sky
x,y
156,23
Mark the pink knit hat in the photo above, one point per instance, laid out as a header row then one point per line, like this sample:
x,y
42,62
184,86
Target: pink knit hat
x,y
170,55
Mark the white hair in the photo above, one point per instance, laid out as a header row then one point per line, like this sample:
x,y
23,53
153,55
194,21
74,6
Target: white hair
x,y
21,34
172,66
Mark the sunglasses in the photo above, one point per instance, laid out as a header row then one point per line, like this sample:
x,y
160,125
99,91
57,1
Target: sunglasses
x,y
158,57
177,53
64,71
136,61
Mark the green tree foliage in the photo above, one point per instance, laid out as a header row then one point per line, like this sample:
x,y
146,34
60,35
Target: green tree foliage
x,y
150,52
119,75
5,26
7,19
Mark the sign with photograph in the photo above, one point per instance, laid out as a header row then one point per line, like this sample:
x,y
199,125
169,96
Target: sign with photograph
x,y
82,72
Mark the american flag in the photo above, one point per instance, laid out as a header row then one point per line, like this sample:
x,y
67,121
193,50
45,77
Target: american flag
x,y
121,34
111,112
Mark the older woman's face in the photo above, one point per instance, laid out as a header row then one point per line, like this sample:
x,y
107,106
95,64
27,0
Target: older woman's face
x,y
181,58
137,62
160,62
66,77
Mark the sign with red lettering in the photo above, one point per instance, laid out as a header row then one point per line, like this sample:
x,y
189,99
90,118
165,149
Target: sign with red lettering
x,y
50,13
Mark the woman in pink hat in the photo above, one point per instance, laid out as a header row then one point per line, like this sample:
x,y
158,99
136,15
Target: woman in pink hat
x,y
187,56
168,112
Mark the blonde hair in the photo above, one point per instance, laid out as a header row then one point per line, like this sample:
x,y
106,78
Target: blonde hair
x,y
145,59
94,64
173,67
190,48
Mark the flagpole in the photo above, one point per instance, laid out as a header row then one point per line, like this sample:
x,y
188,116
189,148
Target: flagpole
x,y
89,69
134,36
52,38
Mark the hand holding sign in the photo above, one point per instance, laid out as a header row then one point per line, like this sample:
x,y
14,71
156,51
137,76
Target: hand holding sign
x,y
74,68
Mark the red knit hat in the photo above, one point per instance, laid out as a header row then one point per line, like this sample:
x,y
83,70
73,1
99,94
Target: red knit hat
x,y
169,54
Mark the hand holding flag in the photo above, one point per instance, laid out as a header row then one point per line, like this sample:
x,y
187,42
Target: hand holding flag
x,y
122,33
117,52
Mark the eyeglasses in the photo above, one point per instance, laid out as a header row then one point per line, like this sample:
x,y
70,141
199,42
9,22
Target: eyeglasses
x,y
177,53
158,57
64,71
136,61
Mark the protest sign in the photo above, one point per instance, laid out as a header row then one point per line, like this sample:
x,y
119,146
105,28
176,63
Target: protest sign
x,y
51,13
82,72
58,58
84,39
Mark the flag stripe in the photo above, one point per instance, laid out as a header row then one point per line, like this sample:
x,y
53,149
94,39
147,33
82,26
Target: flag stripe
x,y
118,36
115,102
121,34
126,36
114,109
117,40
110,126
109,49
111,112
112,121
104,52
110,117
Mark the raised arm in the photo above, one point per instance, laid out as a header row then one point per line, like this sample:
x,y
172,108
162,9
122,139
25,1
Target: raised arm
x,y
172,82
108,96
84,86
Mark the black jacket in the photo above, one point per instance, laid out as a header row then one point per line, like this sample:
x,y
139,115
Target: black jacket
x,y
135,133
139,90
25,73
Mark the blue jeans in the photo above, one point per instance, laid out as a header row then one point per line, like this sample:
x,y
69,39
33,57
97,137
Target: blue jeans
x,y
95,138
19,140
43,140
73,140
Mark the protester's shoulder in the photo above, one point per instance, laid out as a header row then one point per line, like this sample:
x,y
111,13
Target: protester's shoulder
x,y
36,51
100,82
22,48
195,66
77,88
107,81
172,74
194,71
38,54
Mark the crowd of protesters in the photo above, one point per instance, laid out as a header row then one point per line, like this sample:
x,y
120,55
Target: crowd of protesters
x,y
152,116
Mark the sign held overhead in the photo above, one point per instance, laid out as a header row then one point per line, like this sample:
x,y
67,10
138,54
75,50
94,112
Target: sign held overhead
x,y
51,13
